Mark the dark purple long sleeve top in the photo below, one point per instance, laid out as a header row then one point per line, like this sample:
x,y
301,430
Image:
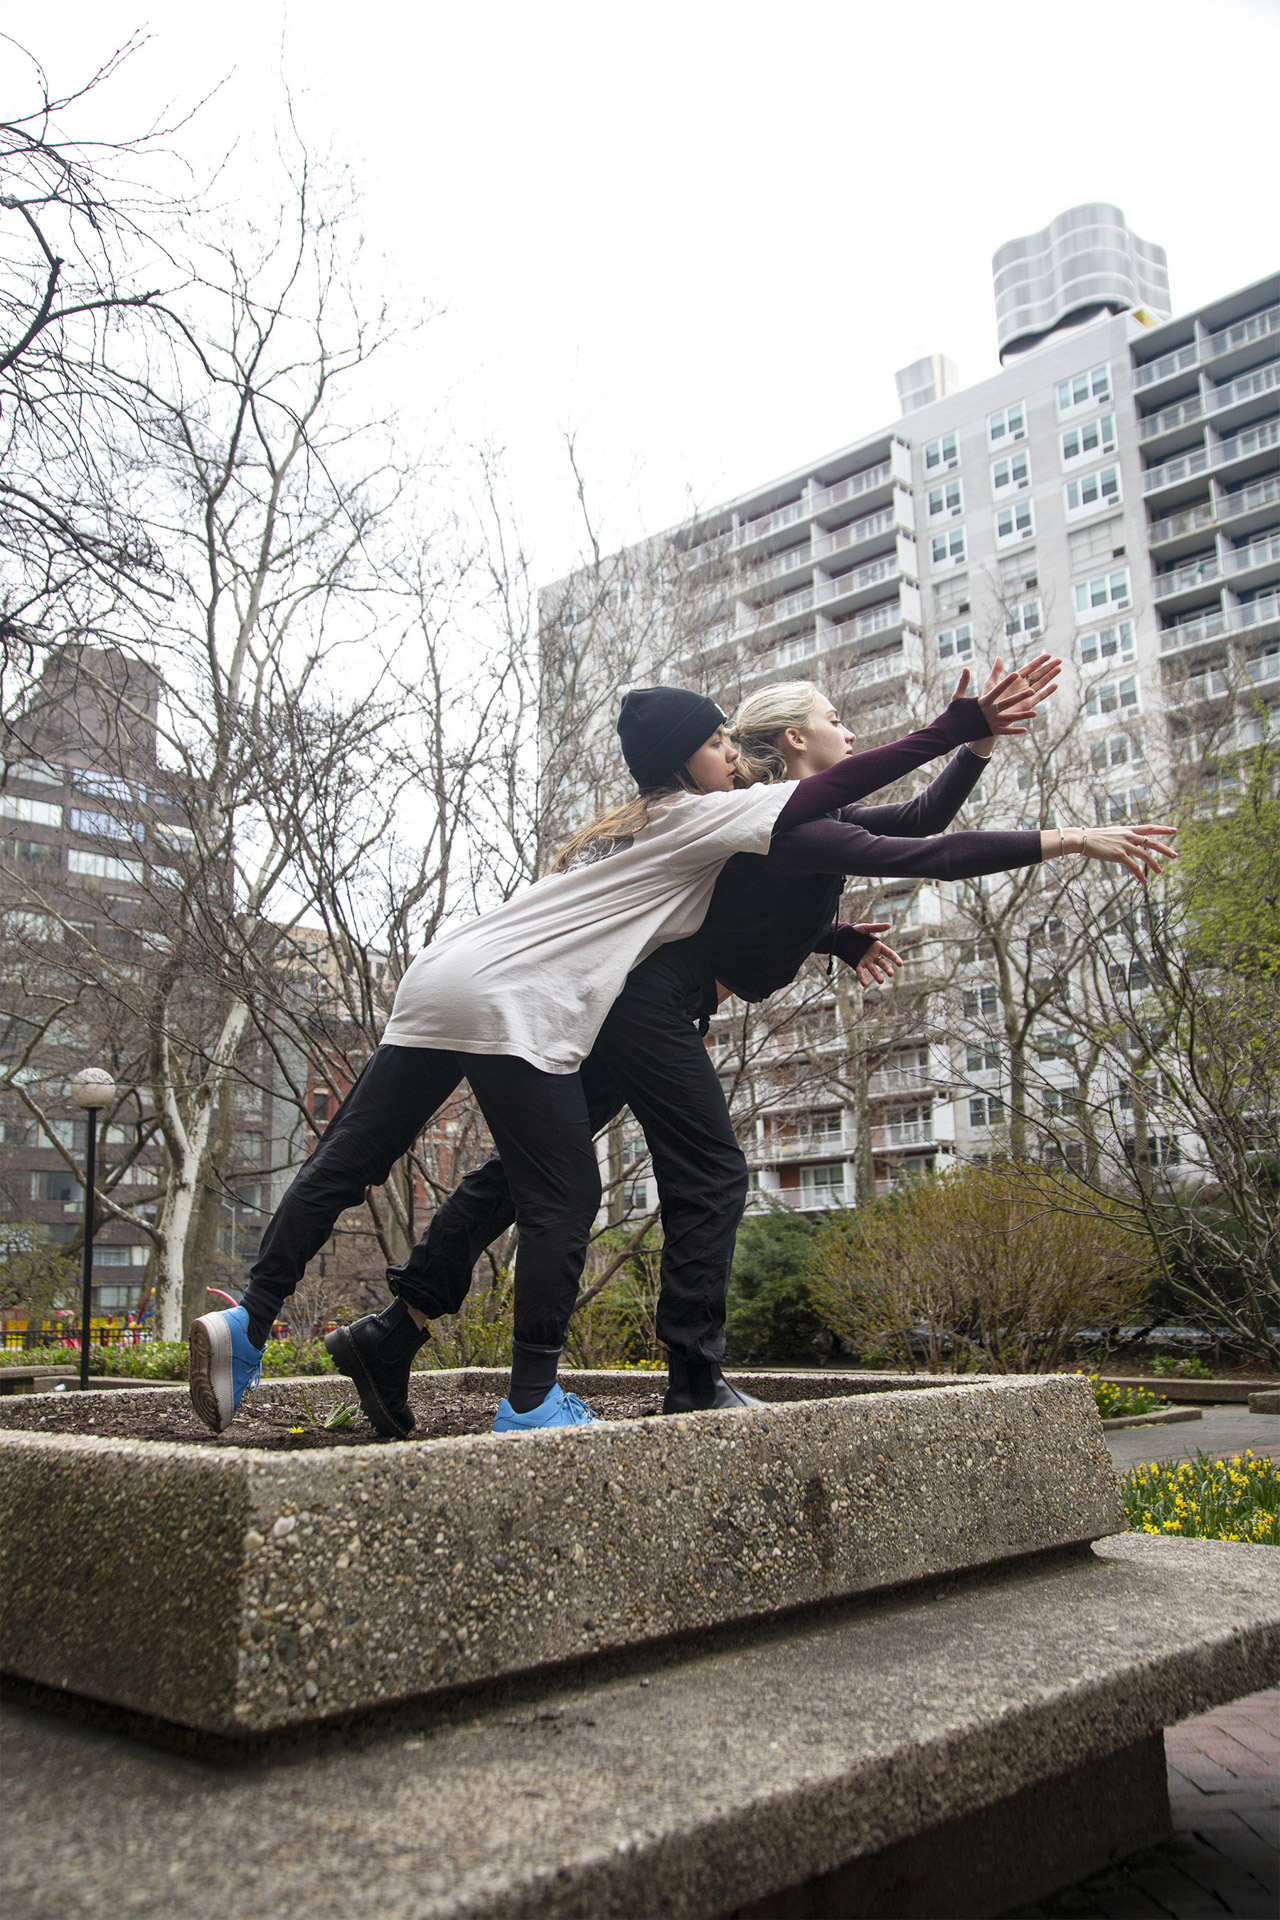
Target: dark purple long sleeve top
x,y
768,912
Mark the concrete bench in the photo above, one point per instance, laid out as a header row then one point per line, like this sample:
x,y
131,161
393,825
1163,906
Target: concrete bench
x,y
879,1653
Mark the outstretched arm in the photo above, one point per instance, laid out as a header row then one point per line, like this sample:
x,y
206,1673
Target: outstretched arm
x,y
839,846
931,811
1001,711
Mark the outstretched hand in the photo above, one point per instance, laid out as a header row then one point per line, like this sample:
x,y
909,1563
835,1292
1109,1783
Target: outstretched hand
x,y
1137,848
879,963
1006,700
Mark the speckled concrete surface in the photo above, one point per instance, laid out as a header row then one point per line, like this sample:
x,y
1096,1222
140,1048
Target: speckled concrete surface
x,y
728,1777
276,1588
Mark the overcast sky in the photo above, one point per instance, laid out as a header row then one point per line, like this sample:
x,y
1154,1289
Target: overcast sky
x,y
702,236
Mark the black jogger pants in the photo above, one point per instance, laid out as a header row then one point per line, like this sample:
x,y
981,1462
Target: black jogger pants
x,y
540,1123
649,1056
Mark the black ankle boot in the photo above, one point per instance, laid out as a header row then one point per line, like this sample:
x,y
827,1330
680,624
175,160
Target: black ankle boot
x,y
696,1386
377,1354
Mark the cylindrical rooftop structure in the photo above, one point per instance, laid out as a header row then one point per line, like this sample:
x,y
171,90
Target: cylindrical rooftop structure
x,y
1086,261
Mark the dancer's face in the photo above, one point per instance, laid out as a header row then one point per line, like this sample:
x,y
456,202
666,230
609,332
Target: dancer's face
x,y
711,767
824,741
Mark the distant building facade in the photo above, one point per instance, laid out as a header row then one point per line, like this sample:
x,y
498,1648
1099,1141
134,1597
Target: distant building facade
x,y
1114,490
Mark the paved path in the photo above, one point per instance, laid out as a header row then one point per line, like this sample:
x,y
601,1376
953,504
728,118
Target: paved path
x,y
1224,1858
1219,1430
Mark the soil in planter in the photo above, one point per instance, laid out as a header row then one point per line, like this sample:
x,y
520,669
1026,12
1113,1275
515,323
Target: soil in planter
x,y
280,1425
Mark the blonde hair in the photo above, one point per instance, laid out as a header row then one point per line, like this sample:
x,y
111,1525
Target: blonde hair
x,y
618,826
760,718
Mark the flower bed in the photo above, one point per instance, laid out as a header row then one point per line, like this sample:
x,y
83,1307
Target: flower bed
x,y
1117,1403
1237,1499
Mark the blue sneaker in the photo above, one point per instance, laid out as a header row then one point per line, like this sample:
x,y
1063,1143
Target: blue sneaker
x,y
224,1365
559,1409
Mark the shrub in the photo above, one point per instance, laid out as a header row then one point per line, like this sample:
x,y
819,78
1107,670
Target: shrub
x,y
770,1317
1206,1499
983,1268
1166,1368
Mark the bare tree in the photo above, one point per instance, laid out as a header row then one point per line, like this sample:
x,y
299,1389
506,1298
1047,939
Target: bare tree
x,y
81,252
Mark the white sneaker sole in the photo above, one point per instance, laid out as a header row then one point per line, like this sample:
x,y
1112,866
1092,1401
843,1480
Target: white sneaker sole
x,y
209,1368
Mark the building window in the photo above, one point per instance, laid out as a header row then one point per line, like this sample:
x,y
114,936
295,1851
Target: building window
x,y
104,825
1117,750
947,548
1083,390
799,647
1025,617
35,813
59,1188
320,1103
1091,437
941,453
1107,590
1014,522
1127,803
944,499
103,866
951,598
982,1060
979,1003
1009,424
38,853
1015,471
1104,540
1108,645
986,1110
1093,490
956,643
113,785
1112,696
37,773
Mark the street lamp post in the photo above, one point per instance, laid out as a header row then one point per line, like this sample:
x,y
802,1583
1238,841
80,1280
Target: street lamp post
x,y
91,1089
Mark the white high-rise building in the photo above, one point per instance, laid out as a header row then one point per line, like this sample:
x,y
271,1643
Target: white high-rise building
x,y
1114,488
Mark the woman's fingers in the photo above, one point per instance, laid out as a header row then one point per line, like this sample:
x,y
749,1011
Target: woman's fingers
x,y
962,685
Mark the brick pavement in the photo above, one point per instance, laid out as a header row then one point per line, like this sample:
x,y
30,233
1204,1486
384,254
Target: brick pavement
x,y
1224,1858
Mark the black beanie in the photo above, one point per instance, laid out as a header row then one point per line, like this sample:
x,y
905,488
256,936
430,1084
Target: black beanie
x,y
659,728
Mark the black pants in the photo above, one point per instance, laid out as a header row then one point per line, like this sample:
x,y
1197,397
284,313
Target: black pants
x,y
649,1056
540,1123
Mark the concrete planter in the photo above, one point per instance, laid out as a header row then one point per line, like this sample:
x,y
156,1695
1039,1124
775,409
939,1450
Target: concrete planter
x,y
238,1591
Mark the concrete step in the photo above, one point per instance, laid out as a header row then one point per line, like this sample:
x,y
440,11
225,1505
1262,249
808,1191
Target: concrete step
x,y
807,1769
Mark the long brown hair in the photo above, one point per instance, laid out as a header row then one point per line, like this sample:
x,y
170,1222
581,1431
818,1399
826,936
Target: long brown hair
x,y
602,835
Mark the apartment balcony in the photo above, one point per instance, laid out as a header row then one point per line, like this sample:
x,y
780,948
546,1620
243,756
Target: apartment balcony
x,y
891,1080
859,486
778,521
1260,561
1251,450
1245,343
873,527
1264,670
1170,366
1186,634
1180,472
860,586
902,1136
775,612
1182,531
804,1146
778,565
1250,396
1213,684
1173,422
1256,616
879,667
1251,503
803,1199
1184,582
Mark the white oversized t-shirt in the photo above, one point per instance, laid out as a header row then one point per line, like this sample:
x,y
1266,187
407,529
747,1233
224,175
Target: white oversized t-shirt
x,y
536,976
